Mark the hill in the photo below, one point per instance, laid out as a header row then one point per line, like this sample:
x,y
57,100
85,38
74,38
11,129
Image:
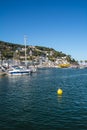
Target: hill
x,y
17,51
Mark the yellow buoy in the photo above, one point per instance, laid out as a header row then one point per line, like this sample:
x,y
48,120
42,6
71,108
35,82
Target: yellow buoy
x,y
59,91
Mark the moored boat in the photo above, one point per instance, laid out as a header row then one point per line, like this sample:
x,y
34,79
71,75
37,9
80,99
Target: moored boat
x,y
16,70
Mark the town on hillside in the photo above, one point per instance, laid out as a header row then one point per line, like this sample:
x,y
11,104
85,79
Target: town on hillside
x,y
35,57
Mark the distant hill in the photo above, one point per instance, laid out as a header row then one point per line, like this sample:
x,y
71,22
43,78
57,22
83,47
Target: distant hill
x,y
7,51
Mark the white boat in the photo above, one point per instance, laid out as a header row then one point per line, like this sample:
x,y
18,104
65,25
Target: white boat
x,y
16,70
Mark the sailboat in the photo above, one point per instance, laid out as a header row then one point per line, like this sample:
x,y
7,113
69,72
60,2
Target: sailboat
x,y
17,70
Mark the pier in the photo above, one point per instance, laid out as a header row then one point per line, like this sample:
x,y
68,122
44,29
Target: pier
x,y
2,73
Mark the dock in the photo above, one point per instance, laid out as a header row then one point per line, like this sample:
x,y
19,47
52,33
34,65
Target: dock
x,y
2,73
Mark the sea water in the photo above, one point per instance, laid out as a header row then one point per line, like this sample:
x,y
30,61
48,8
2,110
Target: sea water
x,y
31,102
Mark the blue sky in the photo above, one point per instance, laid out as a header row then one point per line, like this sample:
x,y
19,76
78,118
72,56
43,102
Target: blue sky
x,y
59,24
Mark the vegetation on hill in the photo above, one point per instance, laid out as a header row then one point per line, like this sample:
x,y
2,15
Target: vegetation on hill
x,y
9,50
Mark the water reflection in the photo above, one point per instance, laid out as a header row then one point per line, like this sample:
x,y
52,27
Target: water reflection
x,y
59,98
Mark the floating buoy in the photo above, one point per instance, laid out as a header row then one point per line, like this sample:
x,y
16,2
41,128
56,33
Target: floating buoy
x,y
59,91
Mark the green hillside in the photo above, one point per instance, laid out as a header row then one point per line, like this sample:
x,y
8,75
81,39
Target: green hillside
x,y
8,50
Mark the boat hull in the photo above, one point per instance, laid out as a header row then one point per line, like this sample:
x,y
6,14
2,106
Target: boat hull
x,y
18,73
15,70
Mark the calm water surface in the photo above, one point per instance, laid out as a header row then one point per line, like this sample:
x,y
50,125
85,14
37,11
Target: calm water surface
x,y
31,102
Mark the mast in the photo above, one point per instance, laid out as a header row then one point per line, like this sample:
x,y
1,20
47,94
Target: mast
x,y
25,41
